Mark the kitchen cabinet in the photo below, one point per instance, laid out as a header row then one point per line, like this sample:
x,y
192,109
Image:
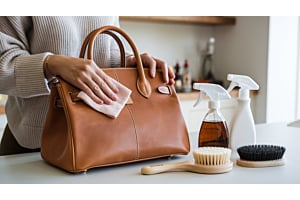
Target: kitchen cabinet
x,y
201,20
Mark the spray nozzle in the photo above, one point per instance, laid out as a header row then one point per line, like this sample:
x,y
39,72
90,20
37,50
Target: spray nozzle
x,y
244,82
213,91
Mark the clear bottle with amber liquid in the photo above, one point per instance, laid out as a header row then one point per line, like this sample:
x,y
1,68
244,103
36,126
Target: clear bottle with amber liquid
x,y
213,131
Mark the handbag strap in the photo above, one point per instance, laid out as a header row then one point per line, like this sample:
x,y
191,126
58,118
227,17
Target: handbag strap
x,y
115,37
143,85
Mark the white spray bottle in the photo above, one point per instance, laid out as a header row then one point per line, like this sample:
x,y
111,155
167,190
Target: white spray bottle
x,y
242,128
214,129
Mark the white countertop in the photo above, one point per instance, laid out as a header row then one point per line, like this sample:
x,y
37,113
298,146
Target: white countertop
x,y
30,168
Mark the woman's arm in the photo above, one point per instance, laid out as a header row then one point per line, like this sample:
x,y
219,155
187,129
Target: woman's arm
x,y
25,74
21,74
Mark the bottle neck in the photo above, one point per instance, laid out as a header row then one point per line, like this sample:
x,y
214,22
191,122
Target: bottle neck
x,y
214,115
244,94
214,105
210,50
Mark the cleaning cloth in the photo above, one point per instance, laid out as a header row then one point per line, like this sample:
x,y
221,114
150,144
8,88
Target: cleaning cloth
x,y
112,110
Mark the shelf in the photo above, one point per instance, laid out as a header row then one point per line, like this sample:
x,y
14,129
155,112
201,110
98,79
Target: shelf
x,y
194,94
201,20
2,110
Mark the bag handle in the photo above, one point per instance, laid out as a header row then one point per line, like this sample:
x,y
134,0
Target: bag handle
x,y
116,38
143,85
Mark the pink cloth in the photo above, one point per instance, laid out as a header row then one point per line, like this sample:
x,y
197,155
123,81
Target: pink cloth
x,y
113,110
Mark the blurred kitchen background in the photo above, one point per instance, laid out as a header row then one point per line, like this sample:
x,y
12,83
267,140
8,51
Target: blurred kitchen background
x,y
264,48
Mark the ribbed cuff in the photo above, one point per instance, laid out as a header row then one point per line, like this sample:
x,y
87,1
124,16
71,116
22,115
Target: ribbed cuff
x,y
30,78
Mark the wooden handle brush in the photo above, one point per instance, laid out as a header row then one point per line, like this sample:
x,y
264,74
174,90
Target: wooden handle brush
x,y
260,155
208,160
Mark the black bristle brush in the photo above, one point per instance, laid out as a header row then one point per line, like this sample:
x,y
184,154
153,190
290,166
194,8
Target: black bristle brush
x,y
260,155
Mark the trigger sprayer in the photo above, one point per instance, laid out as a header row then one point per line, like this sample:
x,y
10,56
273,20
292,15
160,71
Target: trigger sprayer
x,y
242,128
213,130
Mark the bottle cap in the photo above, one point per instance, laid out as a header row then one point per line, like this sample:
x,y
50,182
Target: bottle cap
x,y
213,91
186,64
245,83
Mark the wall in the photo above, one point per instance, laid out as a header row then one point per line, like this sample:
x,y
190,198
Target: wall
x,y
241,49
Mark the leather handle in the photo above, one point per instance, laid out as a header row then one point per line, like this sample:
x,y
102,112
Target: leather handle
x,y
116,38
143,85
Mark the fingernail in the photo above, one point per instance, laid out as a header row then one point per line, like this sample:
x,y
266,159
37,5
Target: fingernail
x,y
153,74
114,97
109,102
100,102
116,89
167,80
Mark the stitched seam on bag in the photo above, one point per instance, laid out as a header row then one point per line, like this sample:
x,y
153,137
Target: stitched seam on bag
x,y
133,121
135,131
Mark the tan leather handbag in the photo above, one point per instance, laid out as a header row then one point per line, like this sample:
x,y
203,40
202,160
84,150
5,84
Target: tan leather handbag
x,y
77,138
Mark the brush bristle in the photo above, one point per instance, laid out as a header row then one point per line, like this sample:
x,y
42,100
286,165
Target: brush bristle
x,y
261,152
212,155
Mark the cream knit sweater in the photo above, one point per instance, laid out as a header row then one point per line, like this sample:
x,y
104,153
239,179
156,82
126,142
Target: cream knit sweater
x,y
24,44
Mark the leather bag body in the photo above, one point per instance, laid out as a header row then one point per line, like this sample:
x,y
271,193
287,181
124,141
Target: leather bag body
x,y
77,138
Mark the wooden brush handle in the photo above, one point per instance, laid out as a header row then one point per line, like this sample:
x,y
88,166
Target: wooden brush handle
x,y
186,166
156,169
258,164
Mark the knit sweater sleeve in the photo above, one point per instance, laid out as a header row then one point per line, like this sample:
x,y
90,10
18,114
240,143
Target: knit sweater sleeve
x,y
21,73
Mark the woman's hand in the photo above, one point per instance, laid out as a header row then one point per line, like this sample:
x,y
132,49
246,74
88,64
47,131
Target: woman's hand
x,y
85,75
154,64
91,79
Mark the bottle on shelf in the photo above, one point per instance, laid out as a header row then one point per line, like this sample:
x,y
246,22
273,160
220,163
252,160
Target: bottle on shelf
x,y
186,78
178,78
214,129
208,61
